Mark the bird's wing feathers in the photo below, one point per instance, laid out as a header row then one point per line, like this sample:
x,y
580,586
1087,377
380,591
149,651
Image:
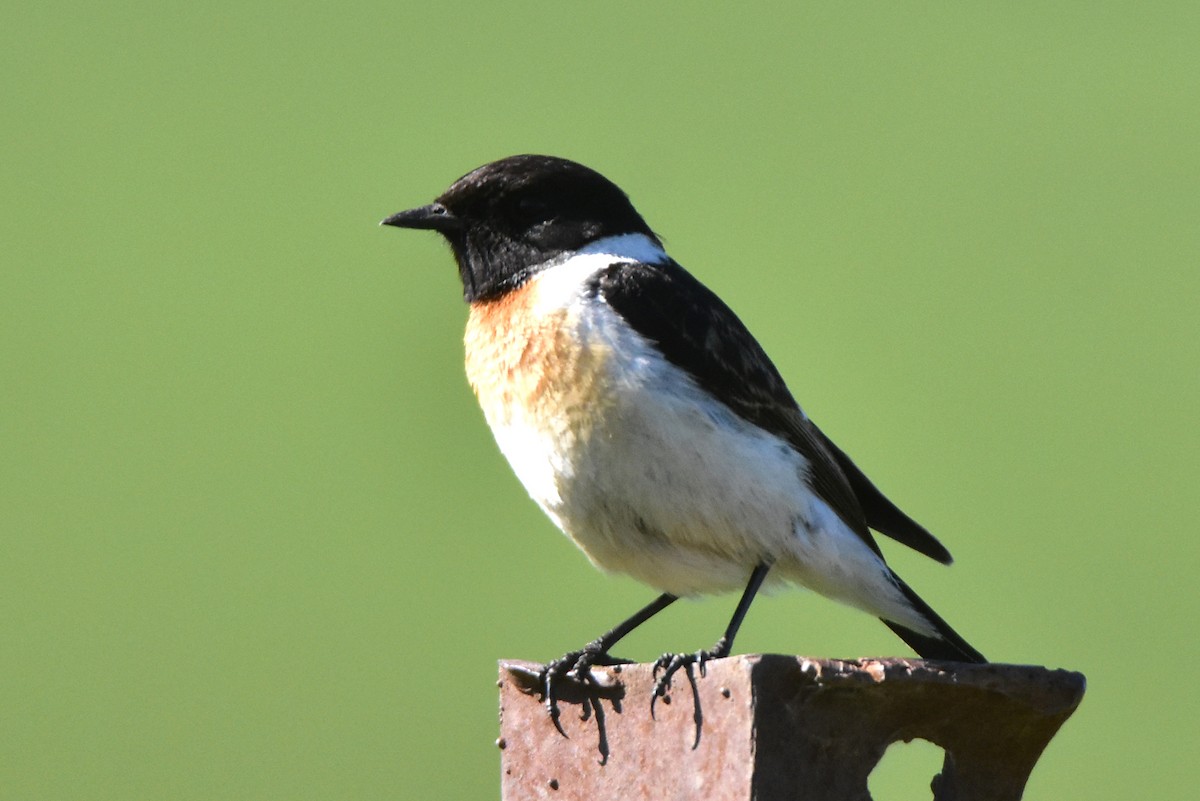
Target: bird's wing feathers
x,y
698,333
883,515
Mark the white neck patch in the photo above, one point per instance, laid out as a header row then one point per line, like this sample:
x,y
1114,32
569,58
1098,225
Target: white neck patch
x,y
561,283
627,247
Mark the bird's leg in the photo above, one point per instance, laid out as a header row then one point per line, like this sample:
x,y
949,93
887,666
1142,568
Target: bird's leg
x,y
577,664
669,664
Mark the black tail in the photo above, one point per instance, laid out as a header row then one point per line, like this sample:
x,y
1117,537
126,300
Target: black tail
x,y
946,645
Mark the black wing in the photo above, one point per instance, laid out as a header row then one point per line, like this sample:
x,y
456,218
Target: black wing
x,y
883,515
698,333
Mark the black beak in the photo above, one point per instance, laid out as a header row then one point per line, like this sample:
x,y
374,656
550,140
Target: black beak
x,y
434,217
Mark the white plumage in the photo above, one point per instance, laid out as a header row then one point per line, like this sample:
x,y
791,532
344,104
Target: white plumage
x,y
648,473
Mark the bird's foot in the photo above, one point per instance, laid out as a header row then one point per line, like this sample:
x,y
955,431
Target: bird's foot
x,y
574,666
670,664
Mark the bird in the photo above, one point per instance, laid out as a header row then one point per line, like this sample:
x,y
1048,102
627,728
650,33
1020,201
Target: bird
x,y
648,423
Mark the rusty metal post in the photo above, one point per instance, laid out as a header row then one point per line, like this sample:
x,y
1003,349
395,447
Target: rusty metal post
x,y
771,727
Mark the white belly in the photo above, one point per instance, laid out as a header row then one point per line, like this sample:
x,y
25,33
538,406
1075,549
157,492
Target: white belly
x,y
671,489
648,474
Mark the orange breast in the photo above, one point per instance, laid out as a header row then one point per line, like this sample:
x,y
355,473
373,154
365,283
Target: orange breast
x,y
531,366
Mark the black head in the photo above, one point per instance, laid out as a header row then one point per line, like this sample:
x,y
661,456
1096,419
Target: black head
x,y
509,218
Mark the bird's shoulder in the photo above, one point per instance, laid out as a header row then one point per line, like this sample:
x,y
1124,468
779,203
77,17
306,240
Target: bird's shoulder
x,y
697,332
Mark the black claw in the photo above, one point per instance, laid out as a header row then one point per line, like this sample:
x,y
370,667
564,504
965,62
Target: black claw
x,y
670,664
553,673
575,666
549,676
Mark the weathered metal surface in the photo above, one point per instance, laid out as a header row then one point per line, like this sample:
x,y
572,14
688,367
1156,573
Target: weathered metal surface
x,y
775,727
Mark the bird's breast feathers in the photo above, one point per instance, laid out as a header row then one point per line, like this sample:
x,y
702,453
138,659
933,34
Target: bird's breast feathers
x,y
542,375
648,473
545,363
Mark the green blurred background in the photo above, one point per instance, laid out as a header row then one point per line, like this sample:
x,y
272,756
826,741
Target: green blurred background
x,y
257,542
